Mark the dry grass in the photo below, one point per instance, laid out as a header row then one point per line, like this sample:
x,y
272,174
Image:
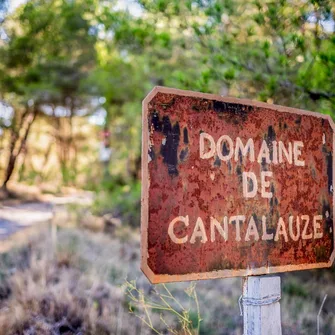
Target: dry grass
x,y
76,288
72,290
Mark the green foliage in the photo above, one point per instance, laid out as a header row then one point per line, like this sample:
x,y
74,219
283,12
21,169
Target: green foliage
x,y
294,288
50,48
67,53
121,199
278,51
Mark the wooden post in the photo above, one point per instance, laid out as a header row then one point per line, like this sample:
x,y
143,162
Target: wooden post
x,y
54,235
261,307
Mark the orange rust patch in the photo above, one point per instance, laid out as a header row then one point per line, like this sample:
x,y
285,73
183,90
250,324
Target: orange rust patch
x,y
177,182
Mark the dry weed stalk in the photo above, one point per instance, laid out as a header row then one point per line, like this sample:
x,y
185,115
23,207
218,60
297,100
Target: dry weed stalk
x,y
163,301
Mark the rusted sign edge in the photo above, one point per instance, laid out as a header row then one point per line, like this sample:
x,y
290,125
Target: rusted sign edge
x,y
155,279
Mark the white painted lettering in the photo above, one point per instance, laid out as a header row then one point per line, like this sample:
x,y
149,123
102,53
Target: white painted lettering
x,y
265,184
297,145
249,147
274,152
215,224
317,226
219,146
199,231
247,193
304,235
294,237
265,236
171,233
252,230
211,152
281,230
287,152
264,153
237,219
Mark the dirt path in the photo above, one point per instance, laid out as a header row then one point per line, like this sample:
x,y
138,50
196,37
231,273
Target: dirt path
x,y
18,219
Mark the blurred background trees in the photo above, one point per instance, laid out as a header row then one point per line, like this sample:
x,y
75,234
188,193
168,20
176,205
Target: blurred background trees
x,y
73,74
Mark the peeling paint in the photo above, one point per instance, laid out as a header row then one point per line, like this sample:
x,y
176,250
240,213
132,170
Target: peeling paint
x,y
184,185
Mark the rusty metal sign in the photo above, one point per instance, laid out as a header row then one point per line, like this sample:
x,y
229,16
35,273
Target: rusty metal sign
x,y
233,187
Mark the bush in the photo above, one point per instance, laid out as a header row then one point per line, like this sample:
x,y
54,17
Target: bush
x,y
120,199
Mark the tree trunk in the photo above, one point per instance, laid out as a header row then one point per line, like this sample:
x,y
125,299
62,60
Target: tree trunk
x,y
17,144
